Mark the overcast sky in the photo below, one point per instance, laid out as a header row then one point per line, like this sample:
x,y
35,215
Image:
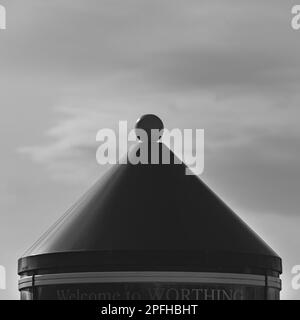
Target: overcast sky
x,y
71,67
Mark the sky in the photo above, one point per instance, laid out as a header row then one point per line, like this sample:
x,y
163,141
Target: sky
x,y
71,67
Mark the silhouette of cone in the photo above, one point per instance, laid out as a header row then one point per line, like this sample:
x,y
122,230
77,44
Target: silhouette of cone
x,y
150,217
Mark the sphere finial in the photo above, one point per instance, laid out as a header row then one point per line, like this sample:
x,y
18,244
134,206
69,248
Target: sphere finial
x,y
147,123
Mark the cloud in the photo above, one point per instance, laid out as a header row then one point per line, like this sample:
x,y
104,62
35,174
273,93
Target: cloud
x,y
167,46
70,144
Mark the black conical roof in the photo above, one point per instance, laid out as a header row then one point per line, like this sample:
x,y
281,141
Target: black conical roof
x,y
151,217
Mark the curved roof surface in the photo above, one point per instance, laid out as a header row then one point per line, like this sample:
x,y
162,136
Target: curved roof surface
x,y
152,208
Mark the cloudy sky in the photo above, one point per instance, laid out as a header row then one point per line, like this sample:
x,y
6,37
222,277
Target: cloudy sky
x,y
71,67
